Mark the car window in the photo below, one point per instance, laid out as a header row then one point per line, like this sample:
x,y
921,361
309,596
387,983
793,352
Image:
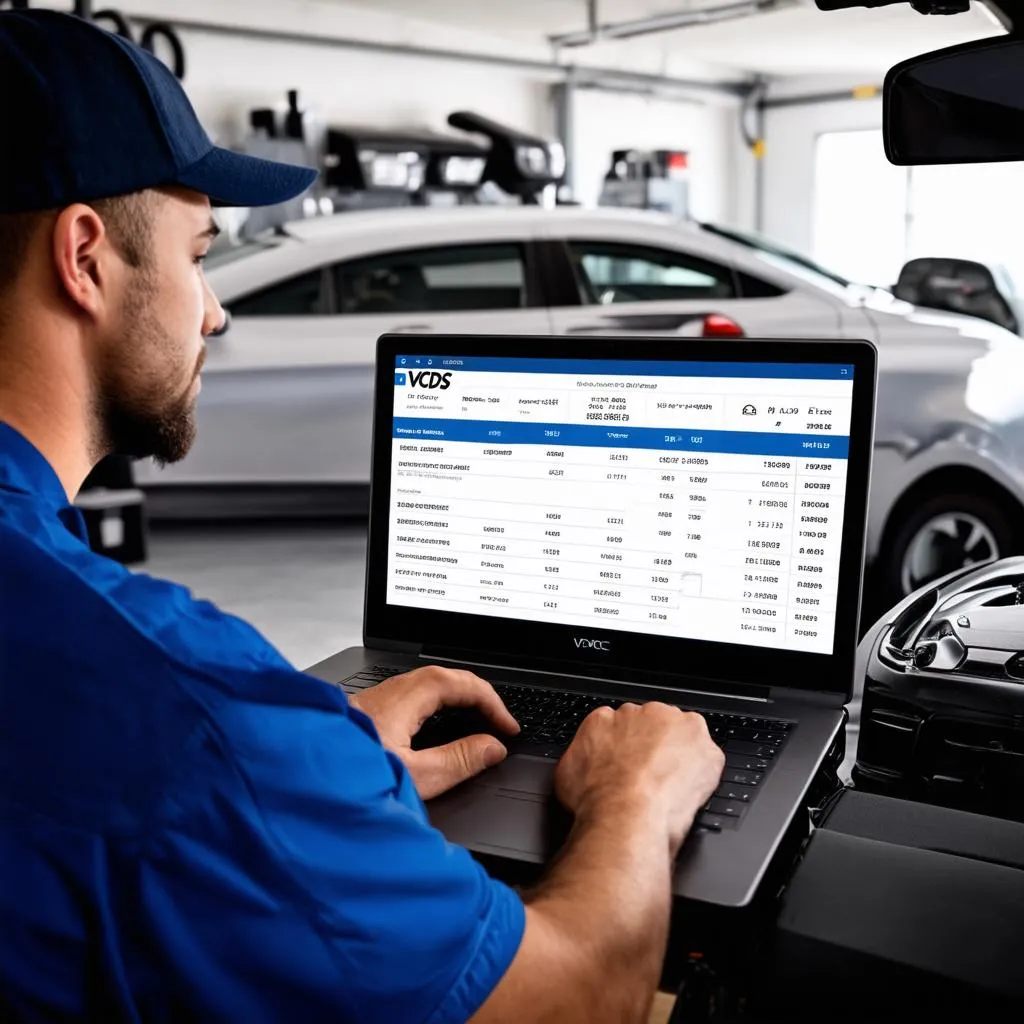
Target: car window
x,y
304,295
779,256
458,278
612,272
751,287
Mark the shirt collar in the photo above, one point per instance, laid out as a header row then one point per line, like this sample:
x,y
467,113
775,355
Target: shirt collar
x,y
23,468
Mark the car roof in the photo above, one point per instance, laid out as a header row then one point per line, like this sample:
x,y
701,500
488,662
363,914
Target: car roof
x,y
323,229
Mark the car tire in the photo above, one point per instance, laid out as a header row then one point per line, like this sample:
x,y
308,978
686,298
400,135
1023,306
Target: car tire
x,y
941,534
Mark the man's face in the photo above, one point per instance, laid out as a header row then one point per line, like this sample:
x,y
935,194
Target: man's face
x,y
150,357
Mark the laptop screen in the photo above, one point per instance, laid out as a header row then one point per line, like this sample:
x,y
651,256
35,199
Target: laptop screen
x,y
698,500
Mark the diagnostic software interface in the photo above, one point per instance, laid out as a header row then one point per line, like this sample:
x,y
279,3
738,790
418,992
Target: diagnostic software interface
x,y
685,499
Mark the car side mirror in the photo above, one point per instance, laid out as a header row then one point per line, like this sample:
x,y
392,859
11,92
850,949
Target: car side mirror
x,y
957,286
964,104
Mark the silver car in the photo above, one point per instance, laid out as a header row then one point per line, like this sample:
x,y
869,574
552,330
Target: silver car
x,y
285,411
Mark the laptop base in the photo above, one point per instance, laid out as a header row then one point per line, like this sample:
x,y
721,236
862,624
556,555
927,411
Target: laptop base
x,y
510,811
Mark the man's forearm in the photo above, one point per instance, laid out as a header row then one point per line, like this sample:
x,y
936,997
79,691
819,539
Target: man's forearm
x,y
608,898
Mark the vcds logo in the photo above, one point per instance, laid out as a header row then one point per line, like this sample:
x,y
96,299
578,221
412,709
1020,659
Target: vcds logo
x,y
430,380
582,643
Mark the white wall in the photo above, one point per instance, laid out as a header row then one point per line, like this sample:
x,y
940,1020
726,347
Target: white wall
x,y
227,75
707,129
791,134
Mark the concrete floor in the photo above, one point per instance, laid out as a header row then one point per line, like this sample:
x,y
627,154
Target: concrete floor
x,y
300,585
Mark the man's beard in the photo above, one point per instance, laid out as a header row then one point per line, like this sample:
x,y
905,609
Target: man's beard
x,y
139,416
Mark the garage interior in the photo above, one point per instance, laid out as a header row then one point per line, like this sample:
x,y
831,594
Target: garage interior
x,y
753,129
776,107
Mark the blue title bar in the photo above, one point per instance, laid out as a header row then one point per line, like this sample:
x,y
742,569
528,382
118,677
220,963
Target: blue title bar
x,y
627,367
734,442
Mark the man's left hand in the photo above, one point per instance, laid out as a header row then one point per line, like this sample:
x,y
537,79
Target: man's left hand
x,y
399,706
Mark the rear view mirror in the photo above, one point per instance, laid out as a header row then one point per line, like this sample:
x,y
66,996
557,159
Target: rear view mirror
x,y
958,286
960,105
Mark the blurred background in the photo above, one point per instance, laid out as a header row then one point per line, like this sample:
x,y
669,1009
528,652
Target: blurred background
x,y
520,167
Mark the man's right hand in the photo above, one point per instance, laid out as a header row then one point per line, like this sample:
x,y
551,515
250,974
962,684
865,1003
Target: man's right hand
x,y
653,754
597,925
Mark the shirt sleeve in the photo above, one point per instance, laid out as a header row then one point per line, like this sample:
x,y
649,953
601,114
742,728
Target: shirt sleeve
x,y
299,878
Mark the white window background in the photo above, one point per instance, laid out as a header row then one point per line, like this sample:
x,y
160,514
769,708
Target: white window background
x,y
975,211
860,208
871,217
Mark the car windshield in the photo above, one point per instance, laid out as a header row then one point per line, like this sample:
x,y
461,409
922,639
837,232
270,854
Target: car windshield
x,y
779,255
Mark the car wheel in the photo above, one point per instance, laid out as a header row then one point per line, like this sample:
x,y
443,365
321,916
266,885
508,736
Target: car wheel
x,y
942,534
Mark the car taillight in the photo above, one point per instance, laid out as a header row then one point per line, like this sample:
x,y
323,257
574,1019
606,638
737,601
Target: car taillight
x,y
718,326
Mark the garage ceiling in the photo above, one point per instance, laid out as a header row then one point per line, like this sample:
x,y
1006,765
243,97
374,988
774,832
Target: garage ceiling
x,y
794,41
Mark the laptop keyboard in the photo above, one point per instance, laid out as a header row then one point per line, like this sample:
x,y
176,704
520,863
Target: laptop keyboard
x,y
550,718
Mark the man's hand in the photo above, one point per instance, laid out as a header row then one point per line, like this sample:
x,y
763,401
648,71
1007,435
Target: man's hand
x,y
654,756
597,925
399,706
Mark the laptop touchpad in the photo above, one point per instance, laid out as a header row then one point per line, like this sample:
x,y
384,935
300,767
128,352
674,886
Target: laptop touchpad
x,y
521,774
509,809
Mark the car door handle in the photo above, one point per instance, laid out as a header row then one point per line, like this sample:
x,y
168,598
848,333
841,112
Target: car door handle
x,y
408,328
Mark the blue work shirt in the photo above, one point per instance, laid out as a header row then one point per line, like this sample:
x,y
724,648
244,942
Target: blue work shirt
x,y
191,829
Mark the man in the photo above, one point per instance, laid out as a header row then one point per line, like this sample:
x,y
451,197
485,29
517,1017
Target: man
x,y
190,829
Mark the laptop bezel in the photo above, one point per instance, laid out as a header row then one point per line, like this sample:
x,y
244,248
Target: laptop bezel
x,y
505,640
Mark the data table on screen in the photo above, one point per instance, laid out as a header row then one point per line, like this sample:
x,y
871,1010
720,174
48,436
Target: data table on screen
x,y
692,504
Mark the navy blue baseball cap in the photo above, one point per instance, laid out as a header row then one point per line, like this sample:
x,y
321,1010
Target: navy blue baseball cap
x,y
87,115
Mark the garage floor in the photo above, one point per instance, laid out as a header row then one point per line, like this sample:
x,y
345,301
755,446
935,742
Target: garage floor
x,y
300,585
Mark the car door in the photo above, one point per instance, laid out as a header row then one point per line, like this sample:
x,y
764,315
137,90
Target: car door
x,y
634,286
638,277
466,288
288,390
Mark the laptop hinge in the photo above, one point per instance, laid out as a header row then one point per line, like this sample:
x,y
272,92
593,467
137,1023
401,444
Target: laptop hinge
x,y
653,680
395,646
821,698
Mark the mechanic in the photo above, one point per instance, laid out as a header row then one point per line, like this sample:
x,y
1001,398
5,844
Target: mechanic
x,y
191,829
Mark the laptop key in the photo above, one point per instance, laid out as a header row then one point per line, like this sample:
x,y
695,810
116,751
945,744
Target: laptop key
x,y
745,763
738,794
728,808
744,733
716,822
760,750
737,777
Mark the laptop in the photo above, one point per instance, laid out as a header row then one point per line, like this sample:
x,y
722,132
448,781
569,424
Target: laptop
x,y
601,520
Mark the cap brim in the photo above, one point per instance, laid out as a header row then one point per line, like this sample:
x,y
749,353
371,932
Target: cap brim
x,y
234,179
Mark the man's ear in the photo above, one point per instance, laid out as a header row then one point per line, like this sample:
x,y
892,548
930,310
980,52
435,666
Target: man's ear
x,y
81,255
